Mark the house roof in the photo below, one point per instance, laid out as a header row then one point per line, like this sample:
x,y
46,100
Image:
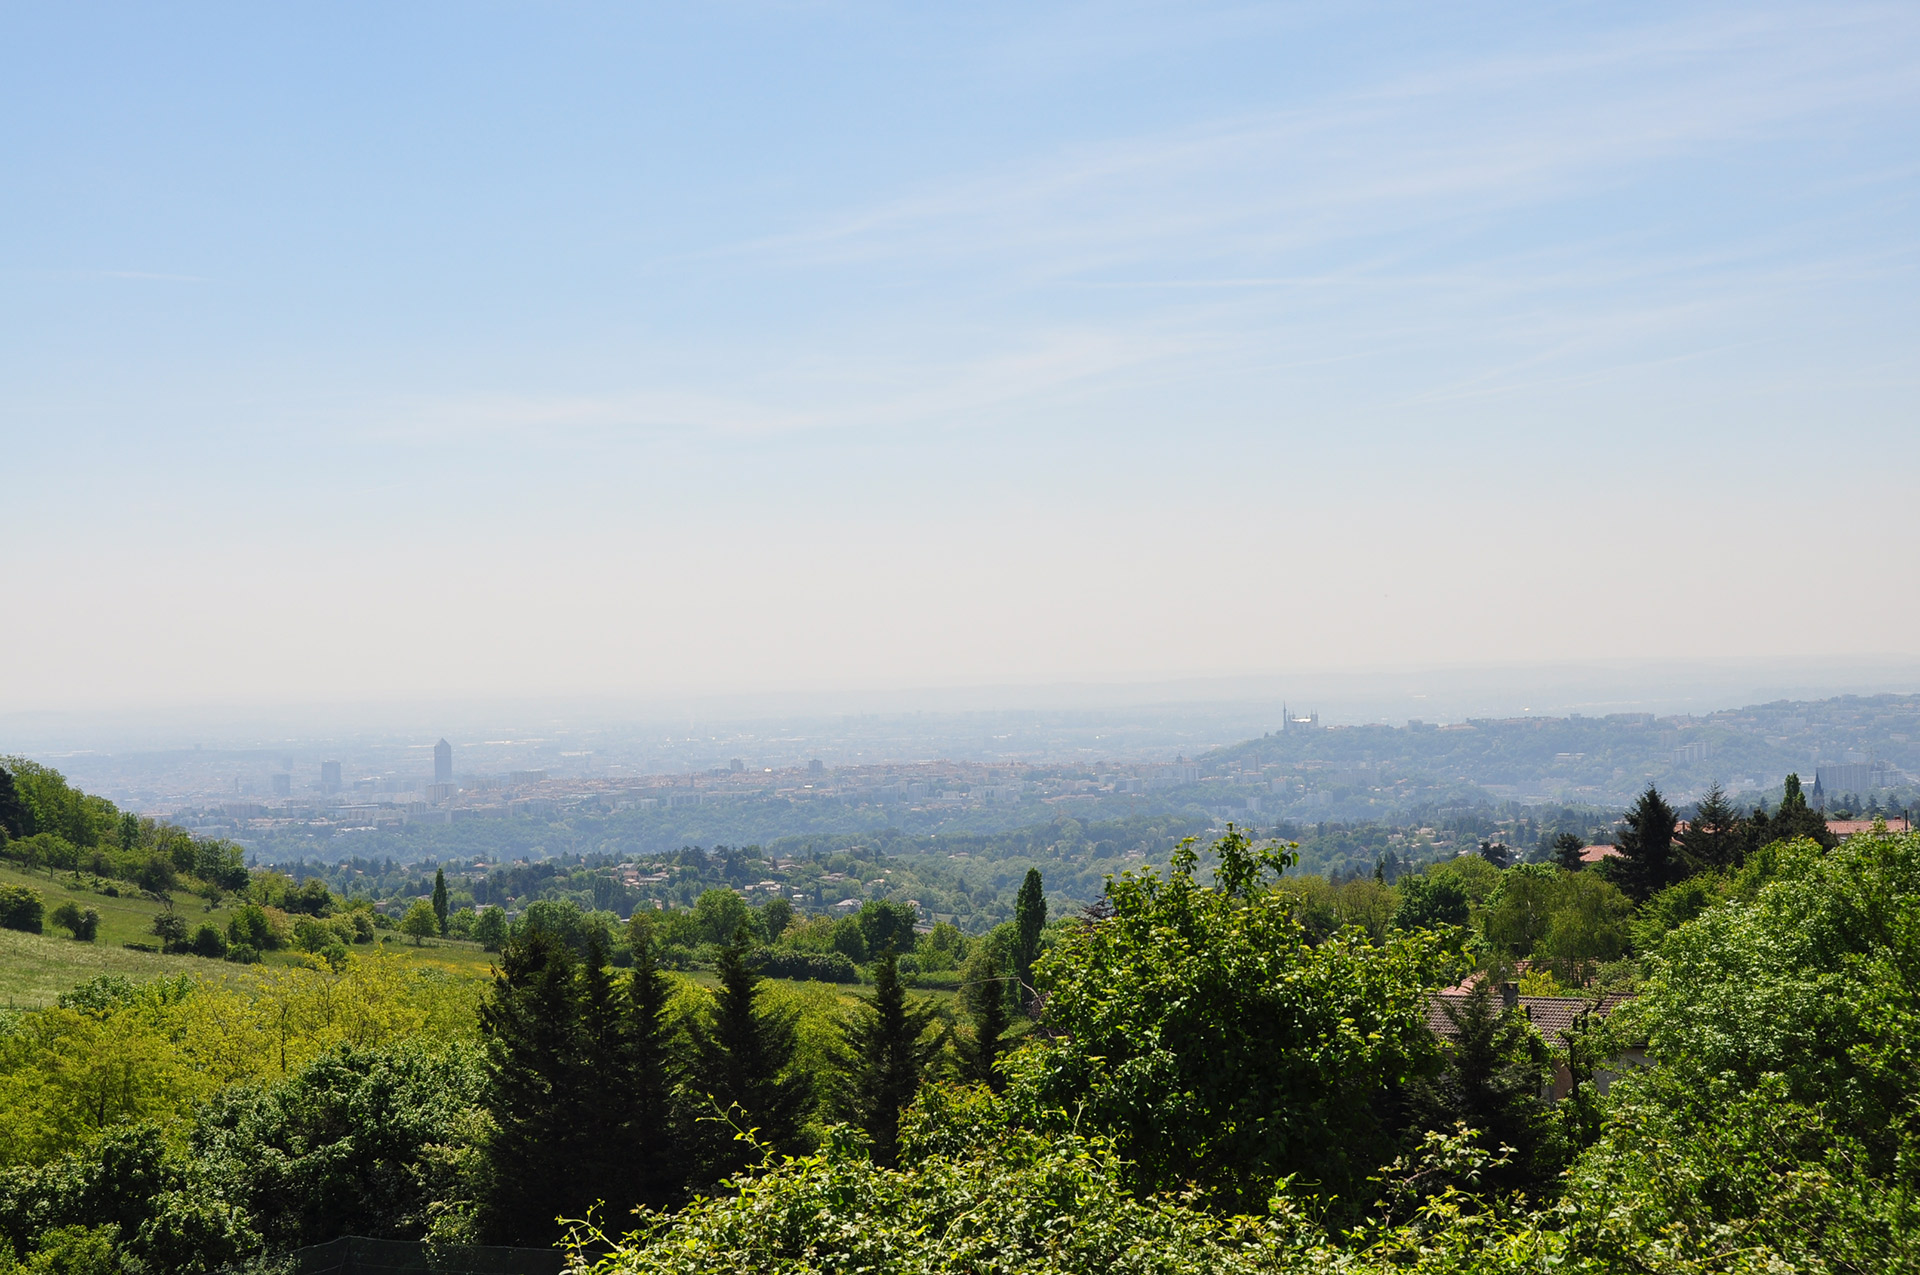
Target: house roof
x,y
1551,1016
1848,827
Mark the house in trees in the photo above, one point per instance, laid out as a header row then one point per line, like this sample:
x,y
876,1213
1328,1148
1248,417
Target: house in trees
x,y
1558,1019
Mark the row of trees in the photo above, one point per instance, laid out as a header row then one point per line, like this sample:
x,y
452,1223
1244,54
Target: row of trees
x,y
594,1096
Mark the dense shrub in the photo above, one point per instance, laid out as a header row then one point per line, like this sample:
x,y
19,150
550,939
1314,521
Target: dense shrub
x,y
84,924
822,967
21,908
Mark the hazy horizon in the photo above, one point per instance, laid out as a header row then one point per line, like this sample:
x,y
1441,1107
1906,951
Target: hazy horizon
x,y
769,355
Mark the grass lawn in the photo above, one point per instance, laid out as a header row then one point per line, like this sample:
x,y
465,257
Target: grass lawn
x,y
36,968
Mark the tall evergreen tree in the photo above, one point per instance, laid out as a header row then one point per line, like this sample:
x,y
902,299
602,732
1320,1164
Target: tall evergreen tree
x,y
14,820
1716,836
744,1059
540,1092
1566,851
1029,918
889,1044
1794,818
440,899
1494,1080
658,1167
984,992
1646,864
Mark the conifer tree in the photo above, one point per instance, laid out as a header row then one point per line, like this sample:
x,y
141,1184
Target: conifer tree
x,y
1566,851
539,1091
657,1168
1794,818
1495,1074
889,1044
744,1059
1646,863
1716,835
440,899
14,819
984,991
1029,918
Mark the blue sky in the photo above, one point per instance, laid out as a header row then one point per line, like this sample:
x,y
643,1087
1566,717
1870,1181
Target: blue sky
x,y
533,348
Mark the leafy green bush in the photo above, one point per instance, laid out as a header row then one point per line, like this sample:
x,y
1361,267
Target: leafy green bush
x,y
21,908
1216,1044
84,924
823,967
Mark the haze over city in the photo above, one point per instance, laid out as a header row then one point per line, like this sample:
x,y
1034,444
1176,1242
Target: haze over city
x,y
533,354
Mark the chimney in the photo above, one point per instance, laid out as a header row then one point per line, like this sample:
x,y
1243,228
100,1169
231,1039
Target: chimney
x,y
1509,995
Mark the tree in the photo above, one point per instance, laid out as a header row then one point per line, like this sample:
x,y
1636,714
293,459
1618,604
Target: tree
x,y
490,928
539,1092
1494,1081
1430,902
1496,854
420,923
889,1044
1588,927
1029,919
129,830
1520,911
21,909
84,925
440,900
1567,850
1217,1045
340,1147
984,992
1794,818
14,819
1646,863
170,928
1716,836
657,1167
776,914
718,913
886,927
744,1058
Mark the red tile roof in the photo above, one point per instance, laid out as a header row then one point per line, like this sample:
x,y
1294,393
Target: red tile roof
x,y
1848,827
1593,854
1551,1016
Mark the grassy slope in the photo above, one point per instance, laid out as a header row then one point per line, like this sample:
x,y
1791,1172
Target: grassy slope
x,y
36,968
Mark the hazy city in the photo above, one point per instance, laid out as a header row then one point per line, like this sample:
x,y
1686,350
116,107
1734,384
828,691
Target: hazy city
x,y
1051,638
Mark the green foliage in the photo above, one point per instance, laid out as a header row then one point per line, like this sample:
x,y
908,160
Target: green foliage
x,y
849,940
984,993
1647,863
890,1043
719,913
1588,927
578,1088
823,967
776,914
82,923
1029,918
1494,1083
21,908
420,923
1205,1032
886,927
490,928
1431,902
1567,850
440,899
743,1058
340,1146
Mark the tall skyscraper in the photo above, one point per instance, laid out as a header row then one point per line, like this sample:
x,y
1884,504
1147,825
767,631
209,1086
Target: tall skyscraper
x,y
443,763
329,776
